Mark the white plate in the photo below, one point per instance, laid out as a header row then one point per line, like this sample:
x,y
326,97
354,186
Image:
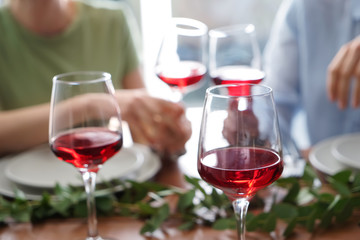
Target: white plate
x,y
347,150
40,168
147,170
321,157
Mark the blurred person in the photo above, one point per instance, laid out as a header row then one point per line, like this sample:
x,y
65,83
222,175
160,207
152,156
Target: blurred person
x,y
312,64
43,38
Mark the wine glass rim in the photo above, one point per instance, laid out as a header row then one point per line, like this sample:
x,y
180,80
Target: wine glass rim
x,y
221,32
211,90
97,76
197,28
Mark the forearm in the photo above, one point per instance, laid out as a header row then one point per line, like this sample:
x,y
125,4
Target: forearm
x,y
23,128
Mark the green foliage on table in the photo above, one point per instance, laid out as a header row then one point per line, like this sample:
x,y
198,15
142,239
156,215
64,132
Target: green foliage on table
x,y
295,201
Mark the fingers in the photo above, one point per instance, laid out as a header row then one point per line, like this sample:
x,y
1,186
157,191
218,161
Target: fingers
x,y
173,133
140,118
162,124
341,70
356,91
334,73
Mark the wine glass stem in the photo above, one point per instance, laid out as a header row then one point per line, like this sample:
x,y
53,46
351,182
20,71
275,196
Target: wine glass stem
x,y
240,208
89,179
176,95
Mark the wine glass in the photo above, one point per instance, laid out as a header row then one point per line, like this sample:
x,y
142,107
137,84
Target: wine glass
x,y
235,56
85,128
240,149
181,58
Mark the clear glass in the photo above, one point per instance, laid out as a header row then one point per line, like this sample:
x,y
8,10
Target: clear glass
x,y
85,128
182,54
240,150
234,55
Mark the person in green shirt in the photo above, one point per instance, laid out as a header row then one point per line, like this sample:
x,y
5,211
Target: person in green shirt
x,y
43,38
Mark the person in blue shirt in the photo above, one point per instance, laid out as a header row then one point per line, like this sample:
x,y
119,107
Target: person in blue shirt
x,y
312,63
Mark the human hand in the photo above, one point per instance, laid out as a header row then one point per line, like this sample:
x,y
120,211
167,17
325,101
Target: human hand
x,y
343,68
156,122
240,127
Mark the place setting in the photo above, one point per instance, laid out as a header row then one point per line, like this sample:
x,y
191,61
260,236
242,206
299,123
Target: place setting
x,y
25,171
335,154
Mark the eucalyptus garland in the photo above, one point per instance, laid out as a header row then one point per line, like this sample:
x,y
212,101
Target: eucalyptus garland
x,y
304,203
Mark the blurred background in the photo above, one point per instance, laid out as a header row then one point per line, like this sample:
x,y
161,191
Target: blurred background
x,y
152,15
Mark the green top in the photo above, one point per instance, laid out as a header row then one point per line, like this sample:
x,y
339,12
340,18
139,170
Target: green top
x,y
99,39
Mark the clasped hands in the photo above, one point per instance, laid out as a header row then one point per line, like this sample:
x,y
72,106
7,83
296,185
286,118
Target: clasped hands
x,y
155,122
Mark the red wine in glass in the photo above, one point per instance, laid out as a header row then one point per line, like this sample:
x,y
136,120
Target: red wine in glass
x,y
237,74
240,171
87,148
240,150
182,74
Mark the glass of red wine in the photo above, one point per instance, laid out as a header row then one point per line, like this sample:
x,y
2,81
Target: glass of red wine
x,y
181,59
235,56
240,150
85,128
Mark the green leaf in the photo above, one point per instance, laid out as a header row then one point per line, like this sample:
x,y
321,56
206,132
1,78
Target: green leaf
x,y
270,223
257,222
326,198
104,204
309,175
20,210
218,199
156,220
304,204
135,193
186,200
284,182
19,195
355,201
343,210
146,209
291,197
311,219
80,209
342,176
326,219
62,207
356,183
196,183
304,213
285,211
341,187
224,223
290,228
187,225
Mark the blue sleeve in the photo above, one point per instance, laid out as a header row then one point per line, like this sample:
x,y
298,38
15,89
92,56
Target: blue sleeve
x,y
281,63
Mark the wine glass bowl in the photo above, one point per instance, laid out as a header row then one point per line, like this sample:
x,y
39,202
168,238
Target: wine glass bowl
x,y
240,150
181,58
85,128
234,55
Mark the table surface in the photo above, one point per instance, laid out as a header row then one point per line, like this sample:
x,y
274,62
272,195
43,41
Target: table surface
x,y
171,173
128,228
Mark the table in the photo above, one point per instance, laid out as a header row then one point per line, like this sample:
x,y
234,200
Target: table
x,y
125,228
128,228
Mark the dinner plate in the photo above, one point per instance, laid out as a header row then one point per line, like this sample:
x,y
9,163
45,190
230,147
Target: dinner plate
x,y
40,168
149,167
322,158
347,150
